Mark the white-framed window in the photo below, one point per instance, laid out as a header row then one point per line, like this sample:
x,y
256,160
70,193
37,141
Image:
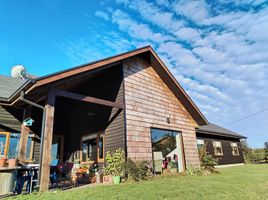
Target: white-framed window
x,y
217,148
200,144
235,150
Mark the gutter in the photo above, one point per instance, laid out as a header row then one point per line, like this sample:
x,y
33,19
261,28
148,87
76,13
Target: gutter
x,y
42,130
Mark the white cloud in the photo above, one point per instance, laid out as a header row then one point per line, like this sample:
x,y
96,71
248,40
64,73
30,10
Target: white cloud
x,y
102,14
137,30
188,34
154,14
196,10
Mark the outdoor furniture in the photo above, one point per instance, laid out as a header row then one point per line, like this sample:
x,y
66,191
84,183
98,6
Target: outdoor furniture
x,y
27,173
54,173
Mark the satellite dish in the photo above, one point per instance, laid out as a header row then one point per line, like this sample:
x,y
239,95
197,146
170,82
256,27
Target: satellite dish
x,y
18,72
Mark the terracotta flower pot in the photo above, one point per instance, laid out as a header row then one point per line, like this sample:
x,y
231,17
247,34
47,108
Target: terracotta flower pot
x,y
3,162
12,162
108,179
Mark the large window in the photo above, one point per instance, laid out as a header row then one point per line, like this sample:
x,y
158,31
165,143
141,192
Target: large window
x,y
92,148
217,148
201,146
165,151
9,145
235,150
57,148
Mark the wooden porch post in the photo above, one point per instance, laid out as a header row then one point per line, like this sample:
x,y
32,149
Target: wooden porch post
x,y
47,143
23,138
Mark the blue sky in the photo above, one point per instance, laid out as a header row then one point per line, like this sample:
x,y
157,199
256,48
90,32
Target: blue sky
x,y
217,50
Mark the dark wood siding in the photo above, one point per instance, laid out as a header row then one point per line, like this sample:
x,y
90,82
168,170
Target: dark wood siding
x,y
115,132
8,122
73,119
228,157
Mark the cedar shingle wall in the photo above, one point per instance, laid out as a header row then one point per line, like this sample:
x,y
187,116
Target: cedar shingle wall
x,y
148,104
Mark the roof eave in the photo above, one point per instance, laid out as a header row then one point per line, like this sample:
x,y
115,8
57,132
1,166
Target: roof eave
x,y
221,134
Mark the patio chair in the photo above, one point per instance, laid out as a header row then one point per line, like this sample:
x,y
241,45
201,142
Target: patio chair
x,y
54,173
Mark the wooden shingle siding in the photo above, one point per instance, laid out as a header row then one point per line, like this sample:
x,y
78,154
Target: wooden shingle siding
x,y
148,103
115,132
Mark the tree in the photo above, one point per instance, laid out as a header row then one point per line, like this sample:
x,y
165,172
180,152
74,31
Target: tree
x,y
248,153
266,151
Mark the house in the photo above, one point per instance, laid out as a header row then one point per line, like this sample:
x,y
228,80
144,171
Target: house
x,y
222,143
128,101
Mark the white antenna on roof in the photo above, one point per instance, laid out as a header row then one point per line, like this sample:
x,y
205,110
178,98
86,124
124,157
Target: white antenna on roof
x,y
18,72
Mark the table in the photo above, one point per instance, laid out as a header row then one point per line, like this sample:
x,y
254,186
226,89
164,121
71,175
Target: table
x,y
27,173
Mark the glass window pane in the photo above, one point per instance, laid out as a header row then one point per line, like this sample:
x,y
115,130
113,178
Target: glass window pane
x,y
89,149
101,148
217,148
56,148
164,141
235,150
29,145
165,153
2,143
14,145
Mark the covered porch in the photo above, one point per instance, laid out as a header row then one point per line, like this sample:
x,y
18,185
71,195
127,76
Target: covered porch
x,y
76,120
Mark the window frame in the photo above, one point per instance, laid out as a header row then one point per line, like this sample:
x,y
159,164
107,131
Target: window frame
x,y
101,135
98,160
232,146
215,146
7,145
61,138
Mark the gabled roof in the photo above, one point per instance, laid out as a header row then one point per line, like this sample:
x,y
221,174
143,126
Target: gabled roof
x,y
214,129
9,86
155,61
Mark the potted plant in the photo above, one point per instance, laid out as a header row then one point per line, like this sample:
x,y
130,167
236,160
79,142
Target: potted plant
x,y
13,160
3,158
173,167
114,164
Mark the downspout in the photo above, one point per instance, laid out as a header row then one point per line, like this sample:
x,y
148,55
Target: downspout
x,y
42,130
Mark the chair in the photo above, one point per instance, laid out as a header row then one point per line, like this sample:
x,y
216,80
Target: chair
x,y
54,173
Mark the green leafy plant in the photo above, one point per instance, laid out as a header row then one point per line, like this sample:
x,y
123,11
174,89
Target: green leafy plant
x,y
208,162
115,163
174,164
136,171
193,170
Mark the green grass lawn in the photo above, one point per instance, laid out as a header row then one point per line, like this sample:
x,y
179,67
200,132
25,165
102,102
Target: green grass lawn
x,y
243,182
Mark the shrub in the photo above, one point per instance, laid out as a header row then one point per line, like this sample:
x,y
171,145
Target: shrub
x,y
136,170
208,161
115,162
